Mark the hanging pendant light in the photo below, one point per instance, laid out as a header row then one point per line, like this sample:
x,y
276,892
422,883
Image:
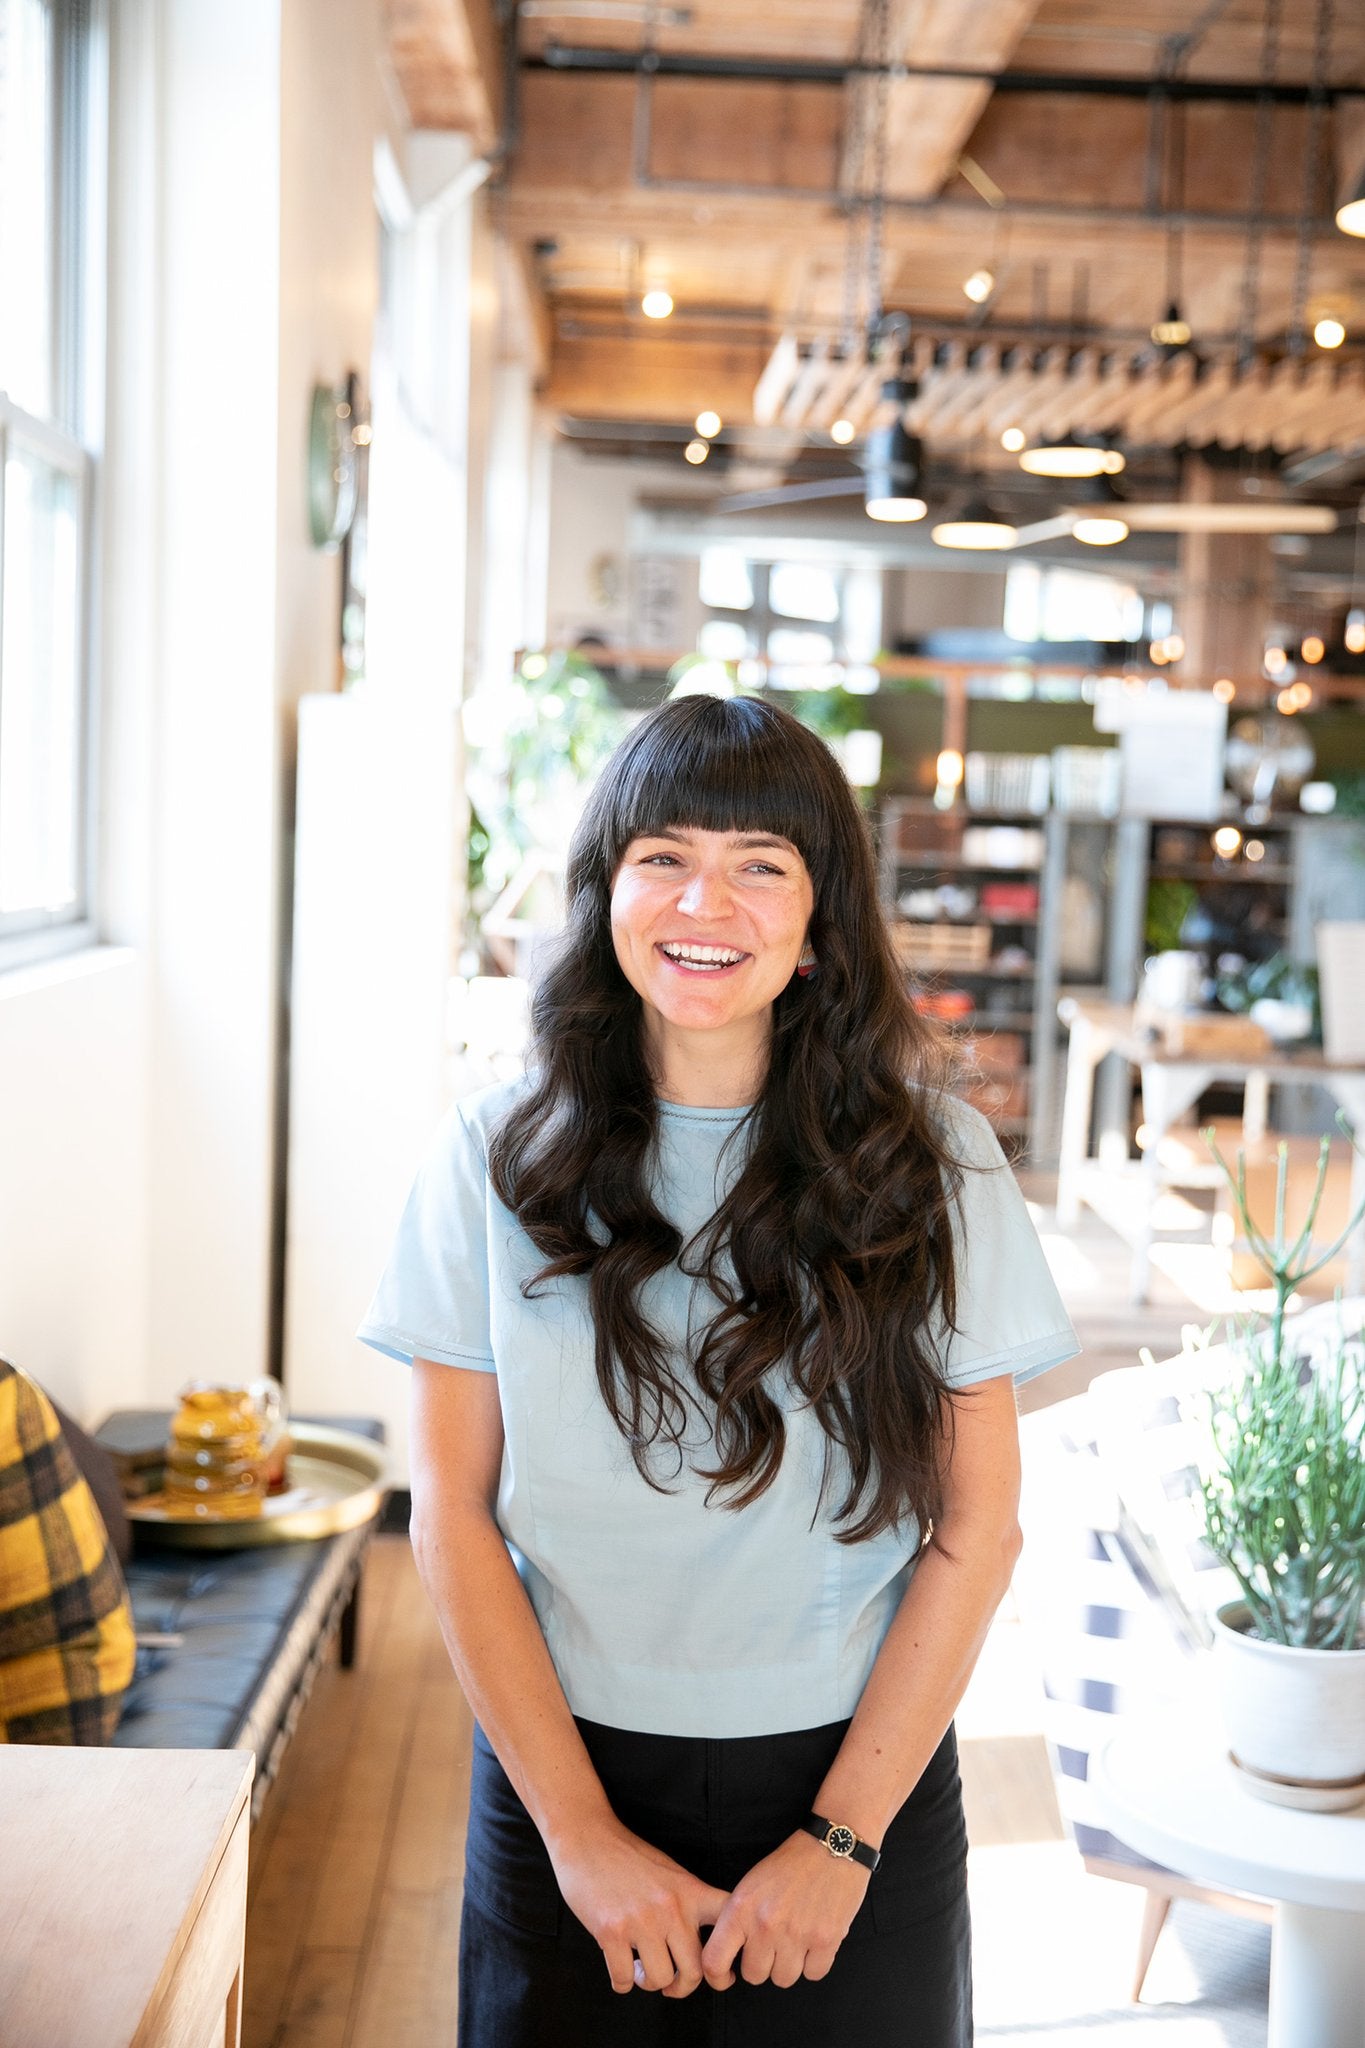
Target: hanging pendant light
x,y
1173,333
979,524
1351,212
893,464
1070,457
1097,516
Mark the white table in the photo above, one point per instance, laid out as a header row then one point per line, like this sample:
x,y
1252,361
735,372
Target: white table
x,y
1165,1786
1171,1084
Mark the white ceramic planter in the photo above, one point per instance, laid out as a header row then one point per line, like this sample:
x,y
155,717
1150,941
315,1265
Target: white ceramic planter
x,y
1295,1719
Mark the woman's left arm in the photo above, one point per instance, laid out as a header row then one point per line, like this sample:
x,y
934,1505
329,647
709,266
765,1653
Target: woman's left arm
x,y
791,1911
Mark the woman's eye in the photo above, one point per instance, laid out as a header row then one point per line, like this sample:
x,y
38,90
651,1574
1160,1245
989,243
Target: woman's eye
x,y
648,859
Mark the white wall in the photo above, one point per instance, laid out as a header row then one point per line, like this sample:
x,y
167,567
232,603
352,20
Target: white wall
x,y
137,1086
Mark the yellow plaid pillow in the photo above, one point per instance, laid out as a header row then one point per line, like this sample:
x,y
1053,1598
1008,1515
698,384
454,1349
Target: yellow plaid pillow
x,y
66,1625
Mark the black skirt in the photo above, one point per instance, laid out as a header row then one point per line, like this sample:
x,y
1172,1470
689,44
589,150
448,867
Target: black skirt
x,y
531,1976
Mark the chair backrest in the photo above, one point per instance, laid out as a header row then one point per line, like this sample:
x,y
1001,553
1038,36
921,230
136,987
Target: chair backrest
x,y
1105,1643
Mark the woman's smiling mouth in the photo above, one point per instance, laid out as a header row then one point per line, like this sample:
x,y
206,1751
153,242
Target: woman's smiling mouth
x,y
695,959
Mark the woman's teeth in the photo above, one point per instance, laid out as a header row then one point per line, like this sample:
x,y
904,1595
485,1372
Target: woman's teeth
x,y
702,959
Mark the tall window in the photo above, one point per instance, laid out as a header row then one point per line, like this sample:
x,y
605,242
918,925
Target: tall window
x,y
792,613
46,409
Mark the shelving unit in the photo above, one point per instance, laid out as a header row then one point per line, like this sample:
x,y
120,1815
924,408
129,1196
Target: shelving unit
x,y
1014,986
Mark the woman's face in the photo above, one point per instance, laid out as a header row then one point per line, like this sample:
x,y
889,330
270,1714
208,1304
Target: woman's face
x,y
708,926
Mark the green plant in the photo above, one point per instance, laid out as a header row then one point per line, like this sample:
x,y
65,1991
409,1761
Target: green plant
x,y
1168,905
1284,1482
1284,1498
1286,980
534,747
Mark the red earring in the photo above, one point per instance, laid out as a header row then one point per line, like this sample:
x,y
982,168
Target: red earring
x,y
807,964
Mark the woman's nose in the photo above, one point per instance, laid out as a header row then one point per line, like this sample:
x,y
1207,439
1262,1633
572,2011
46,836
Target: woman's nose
x,y
705,895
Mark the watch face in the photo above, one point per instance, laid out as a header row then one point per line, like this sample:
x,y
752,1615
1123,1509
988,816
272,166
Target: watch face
x,y
841,1841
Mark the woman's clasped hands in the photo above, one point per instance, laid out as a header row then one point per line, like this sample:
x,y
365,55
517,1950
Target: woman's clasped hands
x,y
784,1920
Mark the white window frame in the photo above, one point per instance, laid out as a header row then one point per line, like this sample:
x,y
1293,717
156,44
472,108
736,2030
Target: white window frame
x,y
69,441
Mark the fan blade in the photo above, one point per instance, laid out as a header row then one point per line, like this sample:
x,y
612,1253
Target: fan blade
x,y
1046,529
792,494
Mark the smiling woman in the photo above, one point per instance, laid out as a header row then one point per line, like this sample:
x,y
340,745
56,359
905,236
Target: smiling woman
x,y
709,928
720,1498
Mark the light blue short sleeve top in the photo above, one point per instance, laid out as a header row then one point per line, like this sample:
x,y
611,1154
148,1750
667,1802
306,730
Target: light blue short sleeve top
x,y
661,1613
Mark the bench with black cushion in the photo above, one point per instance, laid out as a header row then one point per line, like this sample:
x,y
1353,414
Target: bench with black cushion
x,y
230,1641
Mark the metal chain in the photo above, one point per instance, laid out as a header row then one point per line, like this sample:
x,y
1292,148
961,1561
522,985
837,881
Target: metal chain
x,y
1265,110
1312,160
880,20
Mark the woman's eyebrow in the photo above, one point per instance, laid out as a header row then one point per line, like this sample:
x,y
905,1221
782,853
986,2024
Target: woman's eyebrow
x,y
746,841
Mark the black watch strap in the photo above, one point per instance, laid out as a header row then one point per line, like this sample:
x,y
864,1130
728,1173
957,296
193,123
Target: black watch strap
x,y
842,1842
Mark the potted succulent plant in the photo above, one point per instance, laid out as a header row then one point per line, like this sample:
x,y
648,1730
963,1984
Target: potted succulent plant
x,y
1283,1489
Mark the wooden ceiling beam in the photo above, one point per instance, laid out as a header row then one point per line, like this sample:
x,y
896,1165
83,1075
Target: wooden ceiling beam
x,y
929,121
448,58
653,377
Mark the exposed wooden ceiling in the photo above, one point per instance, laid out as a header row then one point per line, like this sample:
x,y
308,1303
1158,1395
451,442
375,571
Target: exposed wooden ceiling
x,y
726,150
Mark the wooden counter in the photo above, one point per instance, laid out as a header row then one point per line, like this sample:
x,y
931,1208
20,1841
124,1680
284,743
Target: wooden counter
x,y
122,1896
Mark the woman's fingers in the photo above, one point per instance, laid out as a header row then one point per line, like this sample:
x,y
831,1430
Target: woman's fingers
x,y
655,1968
726,1941
757,1964
620,1960
819,1962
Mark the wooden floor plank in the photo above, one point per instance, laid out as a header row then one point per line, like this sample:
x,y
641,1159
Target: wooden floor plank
x,y
366,1802
286,1863
321,1994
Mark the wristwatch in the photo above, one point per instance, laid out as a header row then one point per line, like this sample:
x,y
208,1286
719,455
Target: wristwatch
x,y
841,1841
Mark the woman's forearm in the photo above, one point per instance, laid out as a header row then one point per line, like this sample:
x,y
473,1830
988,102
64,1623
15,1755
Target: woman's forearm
x,y
501,1660
920,1674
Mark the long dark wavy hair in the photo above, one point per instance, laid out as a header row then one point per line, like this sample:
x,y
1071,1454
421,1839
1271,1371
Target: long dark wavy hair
x,y
834,1247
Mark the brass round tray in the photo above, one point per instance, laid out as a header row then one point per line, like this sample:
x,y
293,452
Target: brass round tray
x,y
336,1481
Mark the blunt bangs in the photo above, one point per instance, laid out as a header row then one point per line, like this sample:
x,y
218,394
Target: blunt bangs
x,y
713,764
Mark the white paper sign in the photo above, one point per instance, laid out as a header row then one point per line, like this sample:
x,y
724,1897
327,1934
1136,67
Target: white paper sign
x,y
1172,744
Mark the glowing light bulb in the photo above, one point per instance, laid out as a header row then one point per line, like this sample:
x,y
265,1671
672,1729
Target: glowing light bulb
x,y
1226,841
708,424
1313,648
656,304
1225,690
979,286
1276,661
1355,630
697,451
1013,439
843,432
1329,332
1255,849
1100,533
949,767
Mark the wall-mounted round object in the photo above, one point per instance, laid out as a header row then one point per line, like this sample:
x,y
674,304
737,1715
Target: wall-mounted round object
x,y
332,475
